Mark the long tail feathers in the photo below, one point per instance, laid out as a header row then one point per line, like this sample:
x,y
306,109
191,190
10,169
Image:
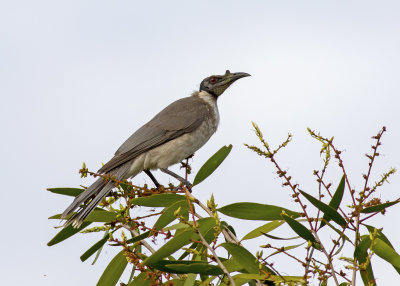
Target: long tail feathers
x,y
97,191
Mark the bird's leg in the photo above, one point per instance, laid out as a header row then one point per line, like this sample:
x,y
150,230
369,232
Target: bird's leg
x,y
176,176
148,173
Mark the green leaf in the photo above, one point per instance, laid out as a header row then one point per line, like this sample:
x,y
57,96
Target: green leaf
x,y
263,229
212,164
275,278
255,211
285,248
298,228
386,252
190,280
158,200
180,240
94,248
379,234
169,214
139,237
187,266
66,233
247,260
114,270
361,254
378,208
176,226
339,232
94,216
336,199
326,209
141,280
73,192
171,247
232,265
279,238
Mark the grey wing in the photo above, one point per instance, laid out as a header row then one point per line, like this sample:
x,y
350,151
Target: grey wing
x,y
180,117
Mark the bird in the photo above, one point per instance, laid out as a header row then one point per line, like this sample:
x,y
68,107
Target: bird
x,y
174,134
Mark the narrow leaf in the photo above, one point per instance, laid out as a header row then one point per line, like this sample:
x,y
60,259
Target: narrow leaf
x,y
279,238
141,280
94,216
386,252
159,200
190,280
100,249
336,199
255,211
247,260
361,254
169,214
139,237
114,270
298,228
187,266
380,234
180,240
66,233
285,248
212,164
94,248
263,229
275,278
73,192
326,209
378,208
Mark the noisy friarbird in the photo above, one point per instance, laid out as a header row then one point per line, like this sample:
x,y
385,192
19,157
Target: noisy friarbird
x,y
172,135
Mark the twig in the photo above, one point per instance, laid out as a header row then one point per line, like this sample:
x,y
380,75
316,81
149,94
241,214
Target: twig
x,y
145,244
229,236
217,259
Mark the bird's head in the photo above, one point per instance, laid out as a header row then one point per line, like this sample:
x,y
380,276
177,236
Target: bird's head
x,y
217,84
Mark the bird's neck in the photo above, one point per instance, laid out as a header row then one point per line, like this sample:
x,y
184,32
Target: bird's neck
x,y
211,102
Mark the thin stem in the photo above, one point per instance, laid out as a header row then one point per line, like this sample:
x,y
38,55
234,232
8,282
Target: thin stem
x,y
145,244
328,257
229,236
217,259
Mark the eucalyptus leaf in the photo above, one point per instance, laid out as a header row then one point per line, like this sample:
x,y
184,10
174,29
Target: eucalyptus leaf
x,y
255,211
378,208
298,228
187,266
361,254
158,200
168,214
114,270
336,199
247,260
67,232
263,229
212,164
329,211
180,240
386,252
72,192
94,248
94,216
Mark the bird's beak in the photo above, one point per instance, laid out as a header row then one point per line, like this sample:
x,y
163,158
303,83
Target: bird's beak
x,y
232,77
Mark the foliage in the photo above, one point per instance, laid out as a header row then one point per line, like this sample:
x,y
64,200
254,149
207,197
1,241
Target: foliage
x,y
191,252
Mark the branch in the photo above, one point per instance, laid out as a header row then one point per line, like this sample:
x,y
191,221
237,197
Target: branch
x,y
229,236
217,259
145,244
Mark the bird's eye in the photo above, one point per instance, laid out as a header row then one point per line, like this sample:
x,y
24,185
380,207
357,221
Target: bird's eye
x,y
213,80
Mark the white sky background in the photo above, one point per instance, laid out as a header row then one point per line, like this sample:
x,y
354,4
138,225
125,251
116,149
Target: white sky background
x,y
78,77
